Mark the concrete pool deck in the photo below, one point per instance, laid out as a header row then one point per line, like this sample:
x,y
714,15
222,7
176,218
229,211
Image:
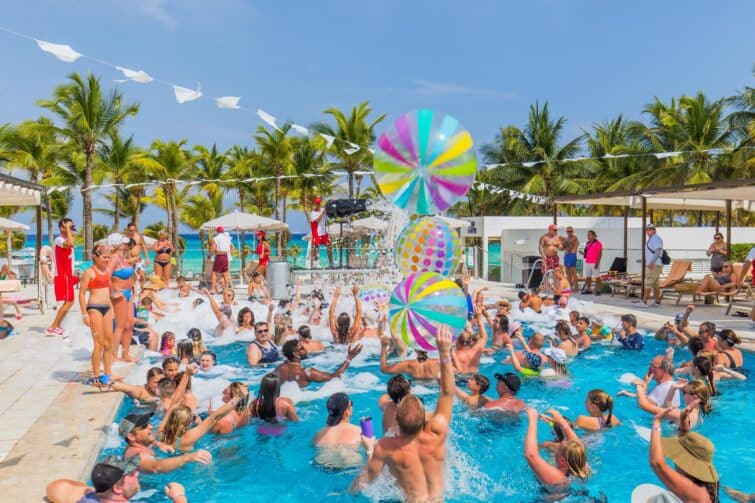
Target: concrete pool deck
x,y
52,426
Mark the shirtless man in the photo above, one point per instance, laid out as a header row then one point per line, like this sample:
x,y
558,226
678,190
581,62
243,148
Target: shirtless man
x,y
549,246
291,369
421,368
139,435
467,353
531,300
477,385
416,456
507,386
571,245
338,429
398,387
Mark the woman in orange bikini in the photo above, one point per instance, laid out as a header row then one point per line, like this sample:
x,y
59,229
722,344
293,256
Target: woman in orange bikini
x,y
97,313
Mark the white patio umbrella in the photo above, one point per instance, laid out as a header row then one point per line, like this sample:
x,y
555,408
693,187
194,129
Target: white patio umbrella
x,y
244,222
369,224
9,226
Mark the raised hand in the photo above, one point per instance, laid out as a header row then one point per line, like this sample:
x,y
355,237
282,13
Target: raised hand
x,y
353,351
444,339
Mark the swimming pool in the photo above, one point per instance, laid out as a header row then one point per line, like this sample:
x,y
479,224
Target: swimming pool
x,y
485,460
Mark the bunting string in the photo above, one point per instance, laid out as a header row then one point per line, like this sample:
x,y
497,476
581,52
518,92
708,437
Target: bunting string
x,y
67,54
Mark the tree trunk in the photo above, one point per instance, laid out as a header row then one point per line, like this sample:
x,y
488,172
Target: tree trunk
x,y
50,230
117,215
137,211
359,184
87,204
283,251
175,237
351,184
278,173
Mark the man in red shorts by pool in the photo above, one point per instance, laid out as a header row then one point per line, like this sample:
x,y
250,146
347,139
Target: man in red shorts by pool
x,y
64,280
318,222
550,244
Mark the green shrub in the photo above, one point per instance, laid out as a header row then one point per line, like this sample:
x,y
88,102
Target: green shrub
x,y
739,251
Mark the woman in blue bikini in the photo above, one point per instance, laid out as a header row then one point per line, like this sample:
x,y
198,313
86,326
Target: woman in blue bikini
x,y
121,295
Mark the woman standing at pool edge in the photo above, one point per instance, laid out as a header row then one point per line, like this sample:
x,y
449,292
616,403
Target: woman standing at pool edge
x,y
163,251
121,296
263,251
97,313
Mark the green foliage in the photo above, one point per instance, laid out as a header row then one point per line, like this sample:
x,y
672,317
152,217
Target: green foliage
x,y
18,239
739,251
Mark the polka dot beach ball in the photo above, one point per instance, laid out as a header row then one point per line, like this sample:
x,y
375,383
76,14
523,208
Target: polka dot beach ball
x,y
428,244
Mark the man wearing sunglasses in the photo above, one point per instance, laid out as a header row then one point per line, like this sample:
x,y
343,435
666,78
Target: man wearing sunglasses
x,y
262,350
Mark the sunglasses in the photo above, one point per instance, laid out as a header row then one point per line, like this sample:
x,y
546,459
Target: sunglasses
x,y
261,331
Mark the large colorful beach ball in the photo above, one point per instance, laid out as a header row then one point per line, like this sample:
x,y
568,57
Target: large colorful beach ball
x,y
420,304
425,162
375,292
428,244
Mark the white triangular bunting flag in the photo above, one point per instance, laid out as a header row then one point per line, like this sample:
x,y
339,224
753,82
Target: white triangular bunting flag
x,y
328,139
268,119
183,94
300,129
372,151
61,51
135,75
611,156
664,155
530,164
228,102
353,148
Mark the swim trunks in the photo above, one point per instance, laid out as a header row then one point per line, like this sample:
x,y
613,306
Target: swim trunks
x,y
570,260
221,264
550,263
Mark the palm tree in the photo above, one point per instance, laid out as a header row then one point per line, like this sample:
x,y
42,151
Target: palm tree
x,y
211,166
171,163
695,124
34,147
540,140
312,173
616,138
117,159
89,116
354,129
275,152
240,161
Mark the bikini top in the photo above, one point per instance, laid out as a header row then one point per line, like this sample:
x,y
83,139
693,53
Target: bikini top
x,y
99,280
124,272
164,249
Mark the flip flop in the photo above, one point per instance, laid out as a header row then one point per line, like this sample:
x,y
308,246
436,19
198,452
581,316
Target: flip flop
x,y
100,381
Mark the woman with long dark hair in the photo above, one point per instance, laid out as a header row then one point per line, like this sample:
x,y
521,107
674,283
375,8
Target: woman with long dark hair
x,y
269,405
344,332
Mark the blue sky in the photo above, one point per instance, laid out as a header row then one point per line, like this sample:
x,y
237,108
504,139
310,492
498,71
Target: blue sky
x,y
484,62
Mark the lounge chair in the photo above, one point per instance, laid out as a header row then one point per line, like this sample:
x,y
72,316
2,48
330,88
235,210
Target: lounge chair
x,y
686,288
676,275
13,286
743,298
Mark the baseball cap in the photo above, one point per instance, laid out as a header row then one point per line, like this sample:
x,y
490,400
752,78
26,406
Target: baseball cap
x,y
317,200
337,405
678,317
557,355
514,326
511,381
553,227
219,228
133,421
650,226
110,470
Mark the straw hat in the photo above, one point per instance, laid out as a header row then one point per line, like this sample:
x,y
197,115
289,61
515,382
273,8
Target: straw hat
x,y
693,453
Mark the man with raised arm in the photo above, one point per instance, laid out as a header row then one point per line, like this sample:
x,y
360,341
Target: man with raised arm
x,y
416,456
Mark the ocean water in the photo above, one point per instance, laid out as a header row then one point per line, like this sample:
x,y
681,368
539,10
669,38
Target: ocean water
x,y
192,257
484,460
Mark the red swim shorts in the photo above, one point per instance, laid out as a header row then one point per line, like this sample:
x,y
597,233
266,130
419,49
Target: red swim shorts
x,y
550,263
321,240
220,264
63,285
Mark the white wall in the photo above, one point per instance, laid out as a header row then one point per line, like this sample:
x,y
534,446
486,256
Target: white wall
x,y
680,242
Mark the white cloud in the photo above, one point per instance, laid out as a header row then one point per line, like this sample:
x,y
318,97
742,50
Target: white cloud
x,y
156,9
430,88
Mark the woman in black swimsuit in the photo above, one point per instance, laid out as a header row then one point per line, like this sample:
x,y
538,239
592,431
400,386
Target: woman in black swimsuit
x,y
728,355
163,250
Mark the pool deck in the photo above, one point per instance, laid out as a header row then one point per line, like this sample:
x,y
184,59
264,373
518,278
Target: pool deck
x,y
52,426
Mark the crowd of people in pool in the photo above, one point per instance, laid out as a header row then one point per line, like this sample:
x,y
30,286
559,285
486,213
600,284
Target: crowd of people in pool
x,y
121,311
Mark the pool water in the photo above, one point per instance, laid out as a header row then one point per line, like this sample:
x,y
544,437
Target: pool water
x,y
485,461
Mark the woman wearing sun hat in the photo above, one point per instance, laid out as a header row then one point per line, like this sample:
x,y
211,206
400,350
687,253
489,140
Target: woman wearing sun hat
x,y
693,477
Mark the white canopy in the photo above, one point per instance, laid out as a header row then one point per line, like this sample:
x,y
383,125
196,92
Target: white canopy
x,y
17,192
238,221
455,222
10,225
369,224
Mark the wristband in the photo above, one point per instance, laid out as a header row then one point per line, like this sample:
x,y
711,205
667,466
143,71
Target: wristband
x,y
656,427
